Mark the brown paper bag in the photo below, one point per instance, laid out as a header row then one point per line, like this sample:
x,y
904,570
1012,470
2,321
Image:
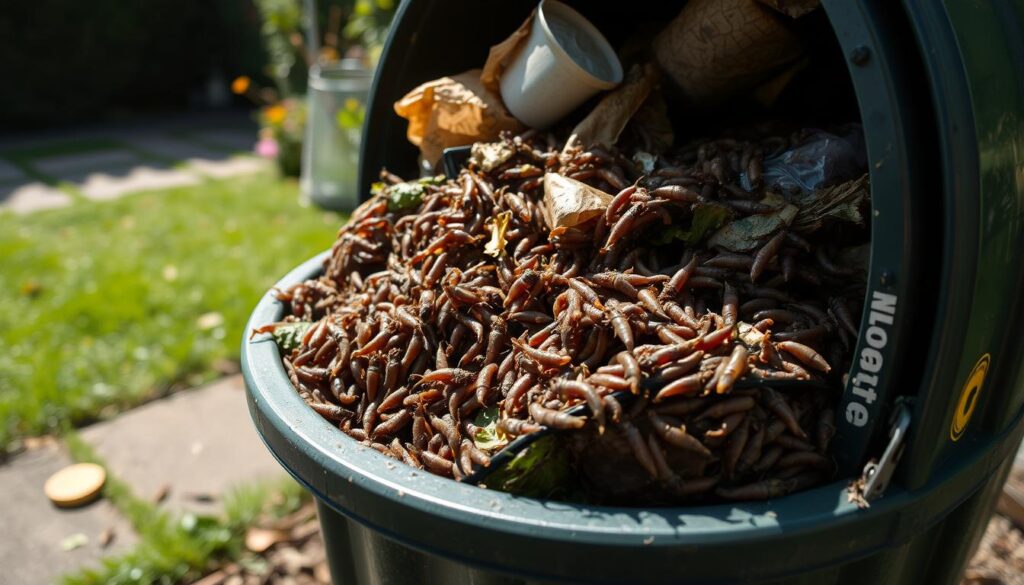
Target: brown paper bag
x,y
716,49
453,111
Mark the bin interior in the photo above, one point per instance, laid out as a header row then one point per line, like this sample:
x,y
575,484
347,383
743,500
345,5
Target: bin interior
x,y
433,42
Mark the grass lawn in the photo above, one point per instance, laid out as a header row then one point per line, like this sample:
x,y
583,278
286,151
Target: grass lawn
x,y
105,305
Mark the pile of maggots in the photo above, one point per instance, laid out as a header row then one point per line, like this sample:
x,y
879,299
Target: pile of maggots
x,y
704,374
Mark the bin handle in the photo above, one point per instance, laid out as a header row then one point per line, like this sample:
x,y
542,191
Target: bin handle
x,y
877,474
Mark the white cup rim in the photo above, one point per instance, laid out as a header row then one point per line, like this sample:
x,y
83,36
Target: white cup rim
x,y
581,22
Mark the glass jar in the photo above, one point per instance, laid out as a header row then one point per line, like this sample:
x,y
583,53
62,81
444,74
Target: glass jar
x,y
337,97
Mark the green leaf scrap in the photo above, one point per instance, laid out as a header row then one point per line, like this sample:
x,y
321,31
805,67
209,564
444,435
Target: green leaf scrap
x,y
404,196
408,195
288,336
750,232
486,438
537,472
706,218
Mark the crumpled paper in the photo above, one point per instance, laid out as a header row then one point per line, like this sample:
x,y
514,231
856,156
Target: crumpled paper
x,y
502,54
453,111
568,202
605,122
750,337
488,156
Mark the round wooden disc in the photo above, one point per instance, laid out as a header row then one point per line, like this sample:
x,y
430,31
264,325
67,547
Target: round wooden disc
x,y
75,484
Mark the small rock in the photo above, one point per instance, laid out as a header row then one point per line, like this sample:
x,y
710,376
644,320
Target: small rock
x,y
170,273
161,493
75,485
292,560
203,497
304,531
33,443
259,540
322,573
214,578
107,537
77,540
208,321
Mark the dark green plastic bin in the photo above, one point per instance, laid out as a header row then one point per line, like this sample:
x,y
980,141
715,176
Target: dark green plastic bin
x,y
940,90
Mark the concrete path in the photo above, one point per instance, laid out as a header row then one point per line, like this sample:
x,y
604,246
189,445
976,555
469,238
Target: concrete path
x,y
195,445
36,532
26,196
50,169
198,444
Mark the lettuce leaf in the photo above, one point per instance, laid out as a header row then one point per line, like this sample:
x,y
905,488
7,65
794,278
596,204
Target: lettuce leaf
x,y
487,437
288,336
707,218
539,471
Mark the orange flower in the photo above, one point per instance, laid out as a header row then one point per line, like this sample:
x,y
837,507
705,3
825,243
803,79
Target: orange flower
x,y
240,85
276,114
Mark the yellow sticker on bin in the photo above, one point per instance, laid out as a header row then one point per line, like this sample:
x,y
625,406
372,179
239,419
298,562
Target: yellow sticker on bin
x,y
969,398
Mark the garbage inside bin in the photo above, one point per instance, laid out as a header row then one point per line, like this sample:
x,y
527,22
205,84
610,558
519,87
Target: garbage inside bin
x,y
705,279
545,74
453,111
716,49
483,286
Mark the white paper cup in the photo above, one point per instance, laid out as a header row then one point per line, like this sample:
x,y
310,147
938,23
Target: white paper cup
x,y
564,61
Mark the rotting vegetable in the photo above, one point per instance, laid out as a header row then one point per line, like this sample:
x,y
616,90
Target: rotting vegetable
x,y
453,316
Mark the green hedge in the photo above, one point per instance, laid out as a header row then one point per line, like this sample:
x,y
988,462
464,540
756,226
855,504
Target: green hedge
x,y
69,60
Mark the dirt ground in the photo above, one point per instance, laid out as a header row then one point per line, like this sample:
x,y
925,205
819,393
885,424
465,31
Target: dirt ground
x,y
1000,557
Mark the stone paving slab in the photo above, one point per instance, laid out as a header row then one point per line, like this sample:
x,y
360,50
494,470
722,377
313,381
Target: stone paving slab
x,y
10,173
69,165
236,139
200,443
114,182
33,196
169,147
33,529
232,167
149,123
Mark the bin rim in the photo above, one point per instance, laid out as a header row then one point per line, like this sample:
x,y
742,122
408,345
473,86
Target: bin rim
x,y
345,474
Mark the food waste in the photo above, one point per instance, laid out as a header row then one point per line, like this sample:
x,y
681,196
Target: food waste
x,y
677,324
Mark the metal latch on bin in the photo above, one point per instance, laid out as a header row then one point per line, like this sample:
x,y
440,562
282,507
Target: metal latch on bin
x,y
877,474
